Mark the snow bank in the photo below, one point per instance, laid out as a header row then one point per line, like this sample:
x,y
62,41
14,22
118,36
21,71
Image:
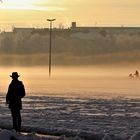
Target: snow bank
x,y
6,135
136,136
106,137
11,135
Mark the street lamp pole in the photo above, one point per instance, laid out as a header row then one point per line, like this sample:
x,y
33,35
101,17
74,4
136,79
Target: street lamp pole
x,y
50,49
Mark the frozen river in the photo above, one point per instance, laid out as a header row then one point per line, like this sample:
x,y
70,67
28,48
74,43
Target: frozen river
x,y
76,102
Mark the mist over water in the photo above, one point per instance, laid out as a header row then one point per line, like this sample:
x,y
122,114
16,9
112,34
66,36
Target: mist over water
x,y
79,82
85,63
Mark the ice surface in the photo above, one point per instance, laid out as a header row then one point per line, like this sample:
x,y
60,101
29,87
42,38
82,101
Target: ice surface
x,y
76,116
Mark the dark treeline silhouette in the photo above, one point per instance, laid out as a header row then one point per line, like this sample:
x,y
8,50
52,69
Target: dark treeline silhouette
x,y
92,47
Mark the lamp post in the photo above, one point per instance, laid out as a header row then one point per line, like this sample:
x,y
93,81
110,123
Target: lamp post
x,y
50,49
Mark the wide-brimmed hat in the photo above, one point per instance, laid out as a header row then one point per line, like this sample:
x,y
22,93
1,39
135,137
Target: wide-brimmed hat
x,y
14,74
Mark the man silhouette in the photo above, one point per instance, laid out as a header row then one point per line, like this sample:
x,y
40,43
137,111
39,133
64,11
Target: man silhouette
x,y
15,92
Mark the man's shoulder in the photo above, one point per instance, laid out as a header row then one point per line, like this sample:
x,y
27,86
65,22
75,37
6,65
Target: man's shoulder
x,y
17,83
20,82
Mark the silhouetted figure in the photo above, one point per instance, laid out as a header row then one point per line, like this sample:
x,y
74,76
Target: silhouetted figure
x,y
15,92
131,75
136,74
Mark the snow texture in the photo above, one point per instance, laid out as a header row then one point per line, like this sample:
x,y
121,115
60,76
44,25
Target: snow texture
x,y
82,117
107,137
136,136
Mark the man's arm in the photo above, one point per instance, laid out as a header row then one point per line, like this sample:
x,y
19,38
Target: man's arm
x,y
22,90
8,95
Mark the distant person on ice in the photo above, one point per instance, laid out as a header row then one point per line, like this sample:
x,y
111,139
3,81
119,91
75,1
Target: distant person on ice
x,y
15,92
136,74
131,75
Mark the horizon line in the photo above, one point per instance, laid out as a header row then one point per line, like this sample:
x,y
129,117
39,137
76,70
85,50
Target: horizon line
x,y
67,27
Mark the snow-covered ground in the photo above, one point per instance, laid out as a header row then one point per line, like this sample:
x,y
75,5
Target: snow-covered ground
x,y
76,116
11,135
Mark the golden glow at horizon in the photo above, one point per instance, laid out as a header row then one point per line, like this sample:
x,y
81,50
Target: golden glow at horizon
x,y
90,12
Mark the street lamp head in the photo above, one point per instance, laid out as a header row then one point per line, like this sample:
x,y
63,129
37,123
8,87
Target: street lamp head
x,y
51,19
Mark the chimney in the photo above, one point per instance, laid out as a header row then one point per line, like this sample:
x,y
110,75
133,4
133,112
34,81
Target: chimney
x,y
73,25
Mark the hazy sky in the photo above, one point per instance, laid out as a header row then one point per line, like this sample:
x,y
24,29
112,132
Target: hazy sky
x,y
85,12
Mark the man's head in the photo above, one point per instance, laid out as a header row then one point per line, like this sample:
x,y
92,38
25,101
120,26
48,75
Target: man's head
x,y
14,75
